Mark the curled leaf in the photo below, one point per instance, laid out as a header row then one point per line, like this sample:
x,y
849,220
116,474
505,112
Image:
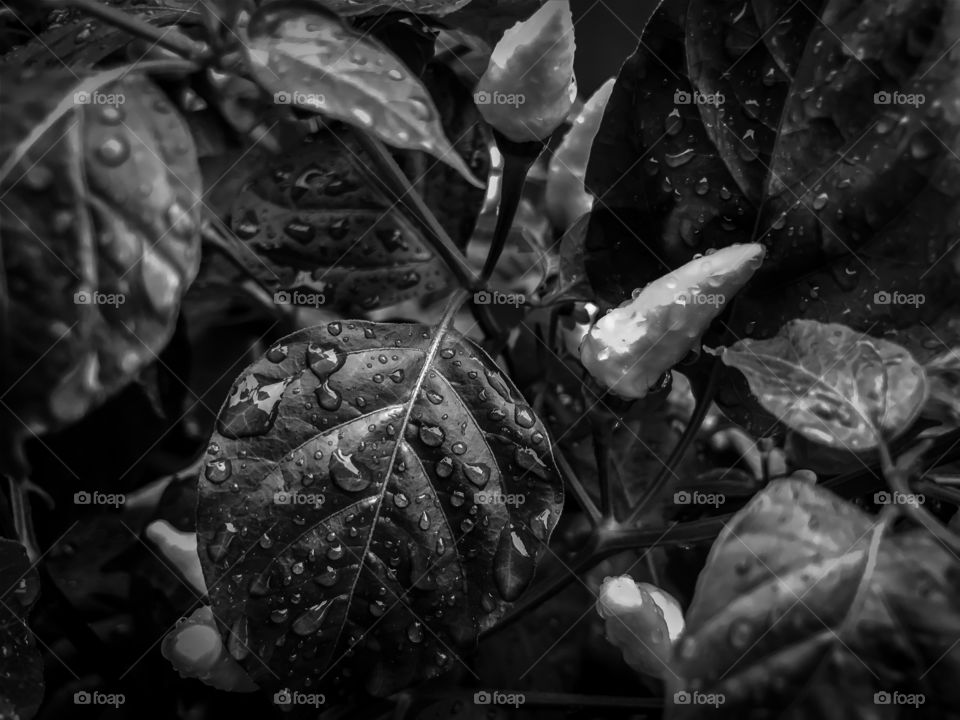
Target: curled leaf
x,y
566,196
631,347
529,86
306,57
834,386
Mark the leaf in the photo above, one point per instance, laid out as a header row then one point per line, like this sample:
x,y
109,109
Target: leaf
x,y
854,199
310,549
804,608
489,19
100,219
943,376
420,7
529,87
306,57
836,387
21,690
317,225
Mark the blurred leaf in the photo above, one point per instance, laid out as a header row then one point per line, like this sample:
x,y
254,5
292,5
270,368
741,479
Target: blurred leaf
x,y
342,506
805,609
422,7
309,59
836,387
21,668
315,222
101,237
943,376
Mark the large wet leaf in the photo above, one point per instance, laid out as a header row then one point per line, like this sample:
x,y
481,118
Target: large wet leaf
x,y
835,386
319,229
343,529
100,226
855,199
308,58
804,610
21,668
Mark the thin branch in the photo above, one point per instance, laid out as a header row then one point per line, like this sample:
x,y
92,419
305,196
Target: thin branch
x,y
572,482
166,37
704,400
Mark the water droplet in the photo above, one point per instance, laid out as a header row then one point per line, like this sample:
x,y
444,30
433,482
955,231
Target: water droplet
x,y
310,621
328,398
397,375
445,467
415,633
278,354
702,187
458,448
346,474
334,328
395,74
740,634
679,159
424,521
279,615
218,470
431,435
529,460
447,353
674,123
327,579
401,500
513,563
466,525
335,552
457,498
441,546
434,397
237,643
114,151
524,416
248,226
820,201
477,473
111,114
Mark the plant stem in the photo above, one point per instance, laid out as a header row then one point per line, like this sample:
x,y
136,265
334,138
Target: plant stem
x,y
22,520
395,184
518,158
571,480
898,480
704,400
169,38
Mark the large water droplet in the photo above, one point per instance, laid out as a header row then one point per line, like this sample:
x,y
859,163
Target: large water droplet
x,y
477,473
513,563
424,521
529,460
346,474
524,416
217,471
324,360
310,621
445,467
431,435
328,398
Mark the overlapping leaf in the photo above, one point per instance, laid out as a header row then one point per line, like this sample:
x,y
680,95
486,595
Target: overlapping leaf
x,y
100,222
317,225
21,668
770,122
308,58
343,520
804,610
835,386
